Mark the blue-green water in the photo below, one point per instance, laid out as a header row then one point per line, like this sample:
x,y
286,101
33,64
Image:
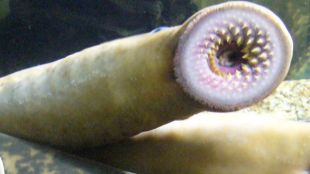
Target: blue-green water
x,y
35,32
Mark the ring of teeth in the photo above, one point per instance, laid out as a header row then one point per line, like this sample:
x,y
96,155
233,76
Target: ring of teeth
x,y
252,43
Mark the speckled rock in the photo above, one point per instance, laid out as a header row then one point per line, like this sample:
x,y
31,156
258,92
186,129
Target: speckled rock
x,y
291,98
22,157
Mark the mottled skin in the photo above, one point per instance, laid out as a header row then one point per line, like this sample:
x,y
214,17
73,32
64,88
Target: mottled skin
x,y
22,157
117,89
217,144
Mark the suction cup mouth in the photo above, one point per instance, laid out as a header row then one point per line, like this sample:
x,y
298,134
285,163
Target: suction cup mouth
x,y
232,55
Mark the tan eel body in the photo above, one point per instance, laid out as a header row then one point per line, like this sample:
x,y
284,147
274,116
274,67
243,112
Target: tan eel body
x,y
117,89
209,143
99,92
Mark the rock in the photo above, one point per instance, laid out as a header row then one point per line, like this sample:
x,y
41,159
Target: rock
x,y
22,157
291,97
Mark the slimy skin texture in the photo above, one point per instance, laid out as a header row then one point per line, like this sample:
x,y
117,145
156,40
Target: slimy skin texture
x,y
97,96
213,143
117,89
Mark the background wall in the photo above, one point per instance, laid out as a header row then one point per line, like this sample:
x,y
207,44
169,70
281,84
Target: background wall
x,y
34,32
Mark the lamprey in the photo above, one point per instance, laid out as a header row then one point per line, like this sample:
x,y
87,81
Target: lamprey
x,y
225,57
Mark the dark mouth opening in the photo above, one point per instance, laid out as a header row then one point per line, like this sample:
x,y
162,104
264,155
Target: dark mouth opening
x,y
229,57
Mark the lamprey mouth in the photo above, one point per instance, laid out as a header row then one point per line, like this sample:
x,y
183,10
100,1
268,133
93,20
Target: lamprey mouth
x,y
238,50
232,55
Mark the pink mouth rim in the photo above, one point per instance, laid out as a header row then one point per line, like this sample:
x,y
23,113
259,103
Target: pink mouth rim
x,y
194,84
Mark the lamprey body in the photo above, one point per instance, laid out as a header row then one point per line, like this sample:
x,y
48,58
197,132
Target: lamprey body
x,y
234,143
225,57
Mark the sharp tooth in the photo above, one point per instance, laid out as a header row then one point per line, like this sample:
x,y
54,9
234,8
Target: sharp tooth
x,y
246,56
222,31
256,50
267,47
263,56
248,45
212,37
250,41
238,74
245,68
260,33
266,63
260,41
239,40
228,38
236,31
249,32
245,50
257,70
218,41
253,61
212,54
229,77
245,26
210,51
247,77
231,26
214,47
